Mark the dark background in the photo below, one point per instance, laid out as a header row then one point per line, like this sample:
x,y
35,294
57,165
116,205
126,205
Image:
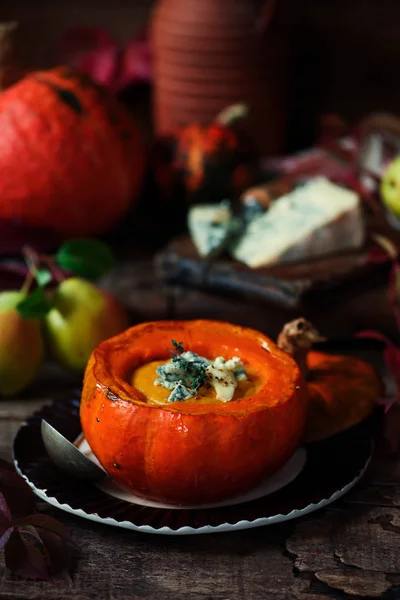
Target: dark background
x,y
346,53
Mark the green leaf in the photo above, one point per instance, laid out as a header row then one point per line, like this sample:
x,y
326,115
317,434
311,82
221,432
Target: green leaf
x,y
43,277
36,305
87,258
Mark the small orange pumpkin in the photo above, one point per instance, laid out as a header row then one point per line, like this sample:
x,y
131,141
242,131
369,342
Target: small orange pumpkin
x,y
187,452
213,162
342,390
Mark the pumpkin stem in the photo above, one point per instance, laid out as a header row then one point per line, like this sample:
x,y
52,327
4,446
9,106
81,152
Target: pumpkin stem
x,y
232,113
297,338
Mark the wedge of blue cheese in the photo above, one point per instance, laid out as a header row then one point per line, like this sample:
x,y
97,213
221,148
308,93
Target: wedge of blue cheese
x,y
316,219
224,375
187,372
210,227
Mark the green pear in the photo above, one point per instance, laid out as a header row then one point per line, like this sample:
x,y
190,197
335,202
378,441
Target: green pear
x,y
390,187
21,346
82,316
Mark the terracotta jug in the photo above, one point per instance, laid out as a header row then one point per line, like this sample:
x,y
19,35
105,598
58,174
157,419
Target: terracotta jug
x,y
209,54
9,72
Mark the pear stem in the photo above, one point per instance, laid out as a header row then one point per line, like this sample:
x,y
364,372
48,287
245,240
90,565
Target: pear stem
x,y
27,283
57,273
33,260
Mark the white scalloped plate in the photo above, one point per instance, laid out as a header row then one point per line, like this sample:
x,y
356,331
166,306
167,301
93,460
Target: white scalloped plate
x,y
310,480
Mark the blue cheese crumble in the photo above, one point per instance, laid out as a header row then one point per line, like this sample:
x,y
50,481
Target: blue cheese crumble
x,y
187,372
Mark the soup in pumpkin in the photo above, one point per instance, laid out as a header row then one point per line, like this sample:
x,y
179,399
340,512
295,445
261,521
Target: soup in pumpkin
x,y
187,377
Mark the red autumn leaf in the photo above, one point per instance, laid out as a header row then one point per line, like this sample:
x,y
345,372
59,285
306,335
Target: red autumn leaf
x,y
37,546
382,250
59,554
48,523
4,538
392,403
394,291
391,429
111,65
29,530
391,354
5,514
16,491
6,465
6,522
54,540
25,559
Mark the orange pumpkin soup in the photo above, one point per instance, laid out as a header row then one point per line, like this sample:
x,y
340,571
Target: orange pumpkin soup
x,y
143,379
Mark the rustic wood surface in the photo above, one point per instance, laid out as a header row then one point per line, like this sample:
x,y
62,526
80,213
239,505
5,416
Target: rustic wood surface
x,y
347,550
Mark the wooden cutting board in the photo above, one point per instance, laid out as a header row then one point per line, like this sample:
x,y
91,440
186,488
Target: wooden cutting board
x,y
180,264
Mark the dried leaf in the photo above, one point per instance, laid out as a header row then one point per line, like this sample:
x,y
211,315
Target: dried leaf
x,y
29,530
5,514
391,429
391,354
25,559
4,538
59,554
55,541
391,404
38,546
6,466
96,52
48,523
386,245
394,291
16,491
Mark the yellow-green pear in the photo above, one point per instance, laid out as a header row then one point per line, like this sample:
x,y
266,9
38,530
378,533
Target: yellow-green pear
x,y
21,345
390,187
82,316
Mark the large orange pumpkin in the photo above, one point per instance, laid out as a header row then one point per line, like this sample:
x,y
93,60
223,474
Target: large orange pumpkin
x,y
71,158
187,452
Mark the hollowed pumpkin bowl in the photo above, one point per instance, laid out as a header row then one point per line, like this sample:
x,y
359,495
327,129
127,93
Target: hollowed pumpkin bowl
x,y
188,452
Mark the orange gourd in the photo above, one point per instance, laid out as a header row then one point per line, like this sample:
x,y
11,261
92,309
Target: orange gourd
x,y
212,161
187,452
71,158
343,391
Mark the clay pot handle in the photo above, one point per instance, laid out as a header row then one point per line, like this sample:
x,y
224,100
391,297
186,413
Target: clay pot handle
x,y
265,15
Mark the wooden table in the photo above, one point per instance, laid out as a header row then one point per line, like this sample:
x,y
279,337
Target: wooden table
x,y
349,549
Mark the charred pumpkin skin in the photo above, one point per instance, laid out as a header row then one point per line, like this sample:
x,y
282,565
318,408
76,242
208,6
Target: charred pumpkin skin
x,y
342,390
74,158
186,452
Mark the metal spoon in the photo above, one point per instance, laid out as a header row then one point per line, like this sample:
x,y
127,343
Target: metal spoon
x,y
67,456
